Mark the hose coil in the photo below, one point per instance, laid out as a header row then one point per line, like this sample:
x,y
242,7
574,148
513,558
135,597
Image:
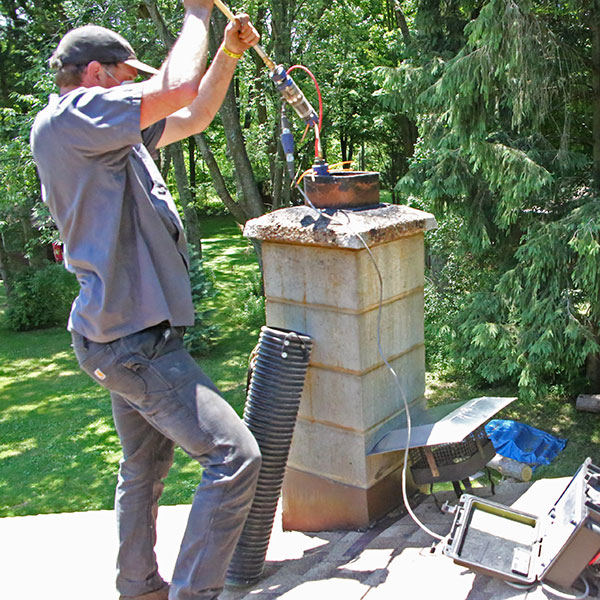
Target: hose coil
x,y
278,372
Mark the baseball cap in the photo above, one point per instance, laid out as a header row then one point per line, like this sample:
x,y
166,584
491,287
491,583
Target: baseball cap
x,y
84,44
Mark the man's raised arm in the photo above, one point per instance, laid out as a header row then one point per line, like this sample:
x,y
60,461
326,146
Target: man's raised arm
x,y
239,36
176,85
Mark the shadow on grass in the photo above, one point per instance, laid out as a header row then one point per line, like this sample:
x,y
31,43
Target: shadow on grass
x,y
58,447
59,451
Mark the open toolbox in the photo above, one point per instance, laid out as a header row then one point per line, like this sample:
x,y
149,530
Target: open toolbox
x,y
509,544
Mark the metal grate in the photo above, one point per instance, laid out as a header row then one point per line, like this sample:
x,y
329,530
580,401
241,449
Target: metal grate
x,y
451,462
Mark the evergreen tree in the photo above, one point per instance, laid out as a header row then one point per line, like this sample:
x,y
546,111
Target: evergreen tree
x,y
508,135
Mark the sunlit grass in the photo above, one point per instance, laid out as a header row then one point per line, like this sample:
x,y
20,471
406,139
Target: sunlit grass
x,y
554,413
58,447
233,261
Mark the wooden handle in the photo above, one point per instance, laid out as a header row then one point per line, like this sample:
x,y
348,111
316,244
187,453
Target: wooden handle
x,y
258,48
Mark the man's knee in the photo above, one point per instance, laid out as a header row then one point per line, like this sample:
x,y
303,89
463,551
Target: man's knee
x,y
247,453
237,458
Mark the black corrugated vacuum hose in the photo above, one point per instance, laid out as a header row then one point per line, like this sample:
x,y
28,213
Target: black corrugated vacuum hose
x,y
275,387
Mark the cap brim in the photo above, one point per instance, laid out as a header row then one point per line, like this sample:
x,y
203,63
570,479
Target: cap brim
x,y
140,66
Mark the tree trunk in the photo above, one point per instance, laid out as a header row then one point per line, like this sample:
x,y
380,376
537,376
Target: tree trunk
x,y
192,156
592,368
344,145
192,225
250,201
5,271
401,21
278,178
163,31
595,31
282,13
165,164
218,182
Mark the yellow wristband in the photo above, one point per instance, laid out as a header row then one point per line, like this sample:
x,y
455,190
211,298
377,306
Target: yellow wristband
x,y
230,53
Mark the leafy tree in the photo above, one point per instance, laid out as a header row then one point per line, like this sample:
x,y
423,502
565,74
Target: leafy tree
x,y
508,135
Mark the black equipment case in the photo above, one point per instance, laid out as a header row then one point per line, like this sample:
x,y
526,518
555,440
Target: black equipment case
x,y
490,538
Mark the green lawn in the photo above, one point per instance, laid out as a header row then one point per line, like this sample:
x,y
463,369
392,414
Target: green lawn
x,y
58,448
233,262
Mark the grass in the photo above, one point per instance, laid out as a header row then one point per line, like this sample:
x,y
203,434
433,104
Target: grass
x,y
58,448
553,413
233,261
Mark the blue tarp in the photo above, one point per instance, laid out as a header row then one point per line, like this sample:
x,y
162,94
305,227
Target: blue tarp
x,y
523,443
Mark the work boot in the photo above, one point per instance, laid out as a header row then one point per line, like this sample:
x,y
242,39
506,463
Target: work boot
x,y
160,594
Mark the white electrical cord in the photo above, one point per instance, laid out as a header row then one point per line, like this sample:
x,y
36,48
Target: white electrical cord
x,y
383,357
554,592
520,586
558,594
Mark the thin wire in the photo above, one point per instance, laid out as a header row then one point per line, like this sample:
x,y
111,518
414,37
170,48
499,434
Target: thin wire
x,y
383,357
297,184
299,179
520,586
305,132
341,164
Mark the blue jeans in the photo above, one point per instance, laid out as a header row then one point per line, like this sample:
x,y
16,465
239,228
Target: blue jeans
x,y
161,397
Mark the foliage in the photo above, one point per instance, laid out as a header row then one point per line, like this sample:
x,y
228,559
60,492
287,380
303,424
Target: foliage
x,y
41,298
505,147
209,206
486,112
202,335
19,185
538,316
450,275
248,302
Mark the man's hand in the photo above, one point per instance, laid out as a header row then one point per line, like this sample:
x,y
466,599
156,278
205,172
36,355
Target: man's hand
x,y
240,35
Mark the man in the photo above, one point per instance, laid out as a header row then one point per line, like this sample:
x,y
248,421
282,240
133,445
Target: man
x,y
124,240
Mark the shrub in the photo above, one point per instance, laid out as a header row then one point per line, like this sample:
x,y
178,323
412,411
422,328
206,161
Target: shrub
x,y
200,338
248,302
41,298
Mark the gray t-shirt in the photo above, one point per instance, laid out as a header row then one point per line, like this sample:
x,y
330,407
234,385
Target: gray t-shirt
x,y
122,234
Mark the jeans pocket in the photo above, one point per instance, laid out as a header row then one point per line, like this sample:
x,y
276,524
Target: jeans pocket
x,y
111,371
166,372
